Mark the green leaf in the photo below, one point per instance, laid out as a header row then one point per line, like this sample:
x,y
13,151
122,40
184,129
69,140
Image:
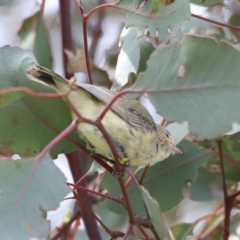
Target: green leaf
x,y
34,35
128,58
132,58
231,148
43,194
29,123
164,181
167,21
164,25
207,187
198,83
155,214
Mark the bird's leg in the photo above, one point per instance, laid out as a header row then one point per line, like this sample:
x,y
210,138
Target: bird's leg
x,y
126,159
115,173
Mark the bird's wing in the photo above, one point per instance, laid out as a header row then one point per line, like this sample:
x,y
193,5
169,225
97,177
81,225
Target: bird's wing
x,y
129,110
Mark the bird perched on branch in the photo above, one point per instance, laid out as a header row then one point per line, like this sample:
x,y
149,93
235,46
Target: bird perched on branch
x,y
137,138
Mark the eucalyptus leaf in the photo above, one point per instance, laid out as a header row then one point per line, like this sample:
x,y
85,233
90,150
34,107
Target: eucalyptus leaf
x,y
199,88
34,35
155,215
164,25
207,187
128,58
164,181
26,220
29,123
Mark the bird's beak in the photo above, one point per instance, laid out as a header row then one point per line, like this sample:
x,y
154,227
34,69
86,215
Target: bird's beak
x,y
177,150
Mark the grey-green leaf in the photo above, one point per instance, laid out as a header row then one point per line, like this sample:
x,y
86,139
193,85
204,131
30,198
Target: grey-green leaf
x,y
164,181
43,194
164,25
195,81
29,123
128,58
155,214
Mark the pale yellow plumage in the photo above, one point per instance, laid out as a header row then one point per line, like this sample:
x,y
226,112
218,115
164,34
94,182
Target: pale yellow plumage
x,y
128,123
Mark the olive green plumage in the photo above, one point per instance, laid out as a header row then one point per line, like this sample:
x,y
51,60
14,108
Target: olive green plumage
x,y
127,122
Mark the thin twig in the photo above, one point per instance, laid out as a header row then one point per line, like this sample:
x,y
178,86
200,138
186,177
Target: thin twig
x,y
127,201
74,230
76,186
144,174
97,30
144,233
227,206
216,22
75,162
84,19
119,234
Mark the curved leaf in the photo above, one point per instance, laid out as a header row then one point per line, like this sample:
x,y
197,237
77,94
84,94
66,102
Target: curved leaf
x,y
43,194
164,181
167,21
29,123
193,81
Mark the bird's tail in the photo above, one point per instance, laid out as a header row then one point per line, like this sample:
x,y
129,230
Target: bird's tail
x,y
44,75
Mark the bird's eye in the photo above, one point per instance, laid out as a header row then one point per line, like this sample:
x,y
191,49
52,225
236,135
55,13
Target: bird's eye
x,y
167,135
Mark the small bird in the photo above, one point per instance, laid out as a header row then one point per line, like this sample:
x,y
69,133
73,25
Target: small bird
x,y
137,138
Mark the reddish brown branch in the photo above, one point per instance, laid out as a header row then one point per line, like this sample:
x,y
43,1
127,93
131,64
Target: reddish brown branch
x,y
97,30
144,174
74,230
67,42
234,162
96,217
144,233
75,161
227,203
84,19
76,186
